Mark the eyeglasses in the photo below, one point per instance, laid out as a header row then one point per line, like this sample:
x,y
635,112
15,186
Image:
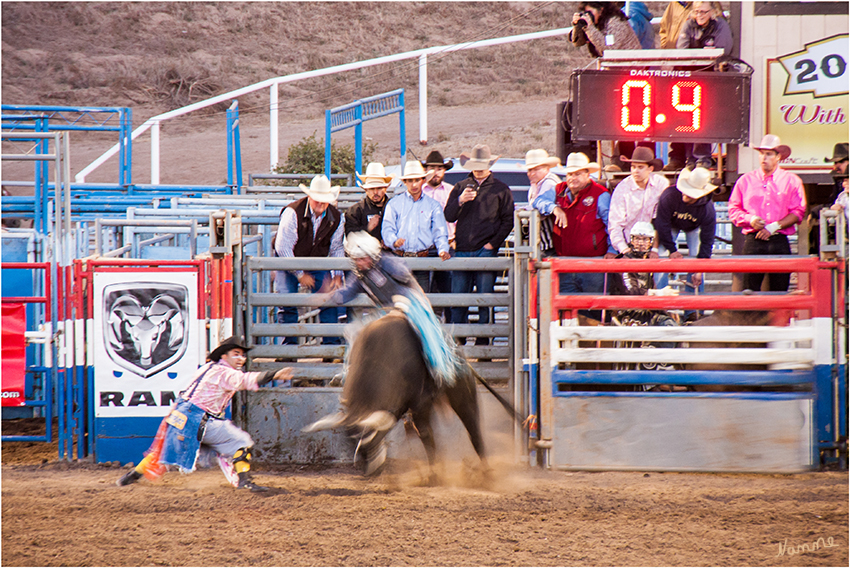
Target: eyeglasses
x,y
701,12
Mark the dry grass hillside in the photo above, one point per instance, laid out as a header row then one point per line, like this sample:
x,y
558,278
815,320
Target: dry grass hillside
x,y
158,56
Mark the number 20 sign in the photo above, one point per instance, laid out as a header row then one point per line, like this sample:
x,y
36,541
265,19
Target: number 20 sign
x,y
660,105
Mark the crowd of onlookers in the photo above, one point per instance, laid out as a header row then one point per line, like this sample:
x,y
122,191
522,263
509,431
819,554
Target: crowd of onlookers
x,y
641,218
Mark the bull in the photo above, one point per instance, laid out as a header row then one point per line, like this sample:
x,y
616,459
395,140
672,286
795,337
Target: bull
x,y
387,376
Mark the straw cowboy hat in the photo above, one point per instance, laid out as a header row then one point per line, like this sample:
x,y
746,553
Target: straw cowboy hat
x,y
479,159
579,161
540,157
436,159
413,170
839,153
231,342
641,155
320,190
772,142
695,184
374,177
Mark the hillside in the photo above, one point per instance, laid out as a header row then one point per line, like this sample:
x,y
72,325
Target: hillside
x,y
155,57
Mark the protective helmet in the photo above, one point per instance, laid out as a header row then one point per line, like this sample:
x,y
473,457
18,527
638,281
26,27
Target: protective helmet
x,y
361,244
643,229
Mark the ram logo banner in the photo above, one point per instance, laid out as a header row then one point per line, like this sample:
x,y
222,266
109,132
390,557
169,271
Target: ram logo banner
x,y
146,340
145,325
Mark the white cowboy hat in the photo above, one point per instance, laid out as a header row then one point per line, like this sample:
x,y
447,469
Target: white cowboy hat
x,y
320,190
772,142
578,161
695,184
413,170
479,159
540,157
374,177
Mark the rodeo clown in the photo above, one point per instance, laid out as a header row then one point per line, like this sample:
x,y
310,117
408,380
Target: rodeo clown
x,y
196,423
388,282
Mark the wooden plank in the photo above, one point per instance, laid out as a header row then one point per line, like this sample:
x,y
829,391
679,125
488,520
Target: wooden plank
x,y
724,357
746,334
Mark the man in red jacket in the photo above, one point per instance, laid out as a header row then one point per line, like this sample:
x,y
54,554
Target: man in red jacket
x,y
580,206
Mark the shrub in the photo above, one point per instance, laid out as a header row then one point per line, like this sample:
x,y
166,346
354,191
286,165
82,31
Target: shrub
x,y
308,157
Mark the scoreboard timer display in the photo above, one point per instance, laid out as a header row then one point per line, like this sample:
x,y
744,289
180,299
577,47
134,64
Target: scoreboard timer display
x,y
660,105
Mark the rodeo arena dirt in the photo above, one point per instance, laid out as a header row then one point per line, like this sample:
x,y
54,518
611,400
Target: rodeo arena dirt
x,y
174,394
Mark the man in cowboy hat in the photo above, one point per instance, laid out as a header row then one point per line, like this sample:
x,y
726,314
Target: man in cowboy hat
x,y
839,168
580,209
414,223
196,423
686,206
310,227
436,187
368,213
635,198
538,164
483,208
767,203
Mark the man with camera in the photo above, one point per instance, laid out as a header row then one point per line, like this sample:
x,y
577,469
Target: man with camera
x,y
483,208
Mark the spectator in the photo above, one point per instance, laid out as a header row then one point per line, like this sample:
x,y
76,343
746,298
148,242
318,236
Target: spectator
x,y
310,227
484,210
767,203
686,207
538,164
841,202
635,199
705,27
602,25
674,16
580,208
437,188
414,223
368,213
640,18
839,168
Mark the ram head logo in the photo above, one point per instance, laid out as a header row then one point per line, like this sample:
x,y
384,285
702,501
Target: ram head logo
x,y
146,325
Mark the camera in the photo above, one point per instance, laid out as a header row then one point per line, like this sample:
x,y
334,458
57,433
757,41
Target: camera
x,y
581,24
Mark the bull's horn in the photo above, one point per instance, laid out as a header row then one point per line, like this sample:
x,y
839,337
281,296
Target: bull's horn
x,y
379,420
326,423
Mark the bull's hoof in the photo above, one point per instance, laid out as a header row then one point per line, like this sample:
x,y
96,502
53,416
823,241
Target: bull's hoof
x,y
375,463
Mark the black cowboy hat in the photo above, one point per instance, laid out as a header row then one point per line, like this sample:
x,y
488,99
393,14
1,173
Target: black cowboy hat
x,y
436,159
839,153
231,342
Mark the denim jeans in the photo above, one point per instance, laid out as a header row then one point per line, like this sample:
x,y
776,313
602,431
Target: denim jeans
x,y
289,283
463,282
441,283
581,283
692,238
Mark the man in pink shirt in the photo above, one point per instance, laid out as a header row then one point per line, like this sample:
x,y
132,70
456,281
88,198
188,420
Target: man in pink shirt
x,y
767,204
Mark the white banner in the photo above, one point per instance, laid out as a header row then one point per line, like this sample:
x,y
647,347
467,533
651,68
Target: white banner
x,y
146,348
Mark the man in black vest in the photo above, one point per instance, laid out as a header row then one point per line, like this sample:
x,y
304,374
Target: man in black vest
x,y
310,227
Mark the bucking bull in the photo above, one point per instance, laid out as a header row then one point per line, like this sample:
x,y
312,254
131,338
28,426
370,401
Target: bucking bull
x,y
387,376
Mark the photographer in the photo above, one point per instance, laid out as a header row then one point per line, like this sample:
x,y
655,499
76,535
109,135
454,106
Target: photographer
x,y
602,25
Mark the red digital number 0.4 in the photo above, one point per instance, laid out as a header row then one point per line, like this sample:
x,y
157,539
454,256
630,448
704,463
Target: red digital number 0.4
x,y
625,120
693,107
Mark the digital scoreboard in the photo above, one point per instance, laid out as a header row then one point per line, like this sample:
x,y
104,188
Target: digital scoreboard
x,y
660,105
